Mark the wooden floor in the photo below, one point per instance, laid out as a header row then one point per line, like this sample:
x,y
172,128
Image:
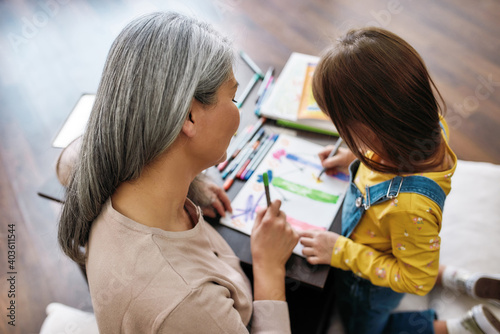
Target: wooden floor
x,y
52,51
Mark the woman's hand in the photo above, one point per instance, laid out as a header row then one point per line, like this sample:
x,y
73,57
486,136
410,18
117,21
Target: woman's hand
x,y
211,198
220,202
318,245
273,239
272,242
339,162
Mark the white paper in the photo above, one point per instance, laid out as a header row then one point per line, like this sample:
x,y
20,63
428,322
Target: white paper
x,y
294,165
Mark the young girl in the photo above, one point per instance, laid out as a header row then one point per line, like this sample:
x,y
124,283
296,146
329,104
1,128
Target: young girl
x,y
378,93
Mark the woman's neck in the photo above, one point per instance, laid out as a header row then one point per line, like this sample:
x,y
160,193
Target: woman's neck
x,y
157,197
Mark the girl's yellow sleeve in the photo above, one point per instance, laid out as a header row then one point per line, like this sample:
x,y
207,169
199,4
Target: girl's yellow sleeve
x,y
411,266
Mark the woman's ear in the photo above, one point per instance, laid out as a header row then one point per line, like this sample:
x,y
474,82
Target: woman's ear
x,y
189,127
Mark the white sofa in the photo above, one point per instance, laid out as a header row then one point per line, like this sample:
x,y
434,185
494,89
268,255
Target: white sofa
x,y
470,239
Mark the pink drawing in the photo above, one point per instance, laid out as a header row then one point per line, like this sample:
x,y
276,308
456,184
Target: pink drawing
x,y
297,224
278,154
300,225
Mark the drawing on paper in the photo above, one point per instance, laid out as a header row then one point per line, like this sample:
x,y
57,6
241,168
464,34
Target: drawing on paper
x,y
293,166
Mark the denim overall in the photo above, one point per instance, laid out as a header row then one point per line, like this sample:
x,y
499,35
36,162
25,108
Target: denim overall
x,y
364,307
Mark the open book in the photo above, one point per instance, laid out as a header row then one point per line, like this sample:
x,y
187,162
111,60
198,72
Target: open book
x,y
293,166
291,102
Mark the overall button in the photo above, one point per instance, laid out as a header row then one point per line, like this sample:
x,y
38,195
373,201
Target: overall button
x,y
359,201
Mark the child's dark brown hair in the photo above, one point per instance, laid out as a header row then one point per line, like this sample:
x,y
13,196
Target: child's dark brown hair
x,y
373,80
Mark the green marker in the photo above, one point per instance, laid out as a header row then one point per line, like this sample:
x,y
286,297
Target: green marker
x,y
256,77
266,187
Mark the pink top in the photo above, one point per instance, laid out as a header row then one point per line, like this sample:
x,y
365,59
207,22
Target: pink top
x,y
148,280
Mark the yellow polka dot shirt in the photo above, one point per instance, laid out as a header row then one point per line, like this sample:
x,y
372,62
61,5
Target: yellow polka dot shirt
x,y
396,243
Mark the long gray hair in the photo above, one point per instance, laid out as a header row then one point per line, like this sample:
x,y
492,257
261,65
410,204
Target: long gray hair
x,y
155,67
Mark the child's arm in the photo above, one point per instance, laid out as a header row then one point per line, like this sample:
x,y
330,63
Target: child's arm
x,y
411,266
318,245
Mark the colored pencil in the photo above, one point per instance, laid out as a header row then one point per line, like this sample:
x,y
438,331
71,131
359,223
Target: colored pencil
x,y
264,83
244,166
251,64
233,164
243,155
235,146
228,182
236,170
241,143
332,153
243,96
239,167
260,156
264,95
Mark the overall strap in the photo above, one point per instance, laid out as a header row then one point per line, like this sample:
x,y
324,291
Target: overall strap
x,y
410,184
444,130
355,204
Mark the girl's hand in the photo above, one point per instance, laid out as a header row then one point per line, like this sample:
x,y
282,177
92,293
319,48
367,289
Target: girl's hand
x,y
339,162
272,239
318,245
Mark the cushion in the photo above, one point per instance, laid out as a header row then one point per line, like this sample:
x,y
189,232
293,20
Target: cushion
x,y
470,234
65,319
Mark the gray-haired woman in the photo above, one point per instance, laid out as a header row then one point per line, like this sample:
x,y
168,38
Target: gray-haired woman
x,y
164,112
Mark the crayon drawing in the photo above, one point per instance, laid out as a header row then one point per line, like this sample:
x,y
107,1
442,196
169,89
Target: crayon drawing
x,y
292,165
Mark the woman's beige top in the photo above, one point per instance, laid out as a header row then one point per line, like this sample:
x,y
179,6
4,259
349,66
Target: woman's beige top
x,y
147,280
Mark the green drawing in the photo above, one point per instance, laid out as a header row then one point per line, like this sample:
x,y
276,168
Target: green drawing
x,y
301,190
